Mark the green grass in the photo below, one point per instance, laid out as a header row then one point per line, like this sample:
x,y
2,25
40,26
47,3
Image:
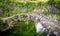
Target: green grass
x,y
26,28
23,29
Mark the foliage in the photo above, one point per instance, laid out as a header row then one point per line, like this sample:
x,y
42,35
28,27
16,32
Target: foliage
x,y
27,28
23,29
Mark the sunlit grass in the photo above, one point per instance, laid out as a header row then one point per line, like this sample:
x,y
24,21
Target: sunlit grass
x,y
44,0
35,1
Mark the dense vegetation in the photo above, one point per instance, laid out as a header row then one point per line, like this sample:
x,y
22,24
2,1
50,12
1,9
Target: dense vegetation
x,y
27,28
